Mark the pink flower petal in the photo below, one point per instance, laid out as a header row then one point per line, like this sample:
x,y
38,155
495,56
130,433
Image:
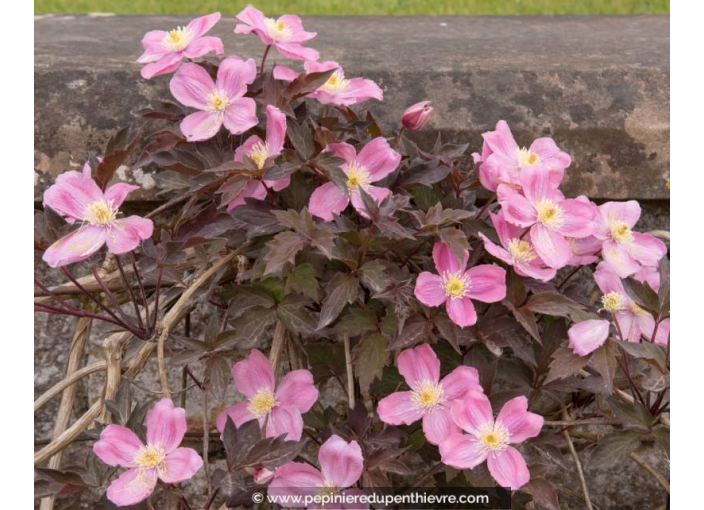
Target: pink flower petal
x,y
285,420
240,116
293,22
132,486
628,212
607,280
357,91
473,412
544,274
342,150
537,185
508,468
501,140
328,200
379,158
294,476
204,45
275,129
253,374
246,147
551,246
645,325
117,193
238,413
278,184
587,336
619,258
76,246
253,189
398,409
461,380
297,390
254,21
72,194
488,283
520,423
662,335
153,47
429,289
649,275
191,86
295,51
515,207
126,234
446,261
200,126
203,24
628,326
377,193
117,446
646,249
285,73
181,464
461,311
496,251
578,219
166,425
419,365
462,451
547,149
341,462
165,65
234,75
438,425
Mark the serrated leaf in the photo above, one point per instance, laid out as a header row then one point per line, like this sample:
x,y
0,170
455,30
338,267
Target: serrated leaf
x,y
552,303
543,493
295,316
456,240
633,415
272,452
282,249
303,279
565,363
340,291
249,329
369,360
613,447
604,361
642,294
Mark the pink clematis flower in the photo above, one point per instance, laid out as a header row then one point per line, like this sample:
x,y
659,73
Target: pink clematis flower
x,y
626,251
502,160
341,466
164,51
279,409
587,336
374,162
456,286
430,399
262,152
219,103
416,116
633,322
551,218
77,197
516,251
341,91
161,458
491,439
286,33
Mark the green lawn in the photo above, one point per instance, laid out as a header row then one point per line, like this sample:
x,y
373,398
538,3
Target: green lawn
x,y
365,7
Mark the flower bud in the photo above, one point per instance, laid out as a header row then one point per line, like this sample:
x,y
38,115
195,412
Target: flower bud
x,y
416,116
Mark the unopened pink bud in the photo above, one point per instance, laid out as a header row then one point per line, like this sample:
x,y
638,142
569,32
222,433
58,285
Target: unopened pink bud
x,y
416,116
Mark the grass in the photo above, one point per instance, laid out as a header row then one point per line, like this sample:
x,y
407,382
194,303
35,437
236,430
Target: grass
x,y
362,7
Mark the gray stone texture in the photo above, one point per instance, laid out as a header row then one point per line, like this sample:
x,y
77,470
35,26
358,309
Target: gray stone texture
x,y
598,85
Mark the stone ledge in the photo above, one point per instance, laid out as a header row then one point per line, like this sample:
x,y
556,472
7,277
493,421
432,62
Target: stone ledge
x,y
598,84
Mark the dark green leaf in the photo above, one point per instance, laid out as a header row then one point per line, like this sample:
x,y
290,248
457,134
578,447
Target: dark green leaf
x,y
341,290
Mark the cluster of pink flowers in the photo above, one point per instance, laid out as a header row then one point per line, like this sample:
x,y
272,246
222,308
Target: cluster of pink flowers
x,y
457,403
541,231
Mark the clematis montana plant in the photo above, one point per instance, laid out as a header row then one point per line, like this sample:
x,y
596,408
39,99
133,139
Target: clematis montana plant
x,y
374,338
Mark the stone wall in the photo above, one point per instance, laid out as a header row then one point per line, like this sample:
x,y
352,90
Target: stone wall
x,y
598,85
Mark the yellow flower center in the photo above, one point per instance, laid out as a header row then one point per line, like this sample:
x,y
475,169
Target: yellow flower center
x,y
613,302
620,232
101,213
456,285
149,457
218,101
259,154
494,438
521,251
357,175
527,157
550,214
336,83
262,403
177,39
428,395
637,310
277,29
